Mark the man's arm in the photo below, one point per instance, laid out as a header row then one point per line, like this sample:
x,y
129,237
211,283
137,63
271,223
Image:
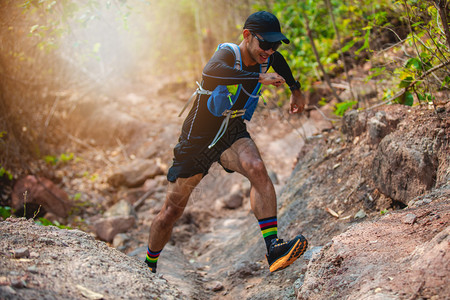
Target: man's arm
x,y
297,100
220,69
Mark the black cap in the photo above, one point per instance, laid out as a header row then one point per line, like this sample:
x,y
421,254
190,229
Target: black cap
x,y
267,25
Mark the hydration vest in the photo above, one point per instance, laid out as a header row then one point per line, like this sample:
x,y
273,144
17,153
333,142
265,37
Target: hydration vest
x,y
223,97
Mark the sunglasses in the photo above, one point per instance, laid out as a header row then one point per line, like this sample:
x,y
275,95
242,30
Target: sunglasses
x,y
264,45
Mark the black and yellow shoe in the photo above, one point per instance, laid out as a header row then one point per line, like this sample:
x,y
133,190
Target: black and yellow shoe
x,y
282,254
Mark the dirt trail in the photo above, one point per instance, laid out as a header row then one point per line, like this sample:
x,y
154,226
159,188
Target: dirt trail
x,y
218,253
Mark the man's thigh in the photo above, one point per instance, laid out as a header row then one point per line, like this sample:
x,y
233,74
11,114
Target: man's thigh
x,y
242,151
178,192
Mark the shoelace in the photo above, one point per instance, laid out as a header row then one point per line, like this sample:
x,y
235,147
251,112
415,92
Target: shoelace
x,y
279,242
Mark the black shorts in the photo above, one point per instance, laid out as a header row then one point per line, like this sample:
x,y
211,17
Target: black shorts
x,y
192,156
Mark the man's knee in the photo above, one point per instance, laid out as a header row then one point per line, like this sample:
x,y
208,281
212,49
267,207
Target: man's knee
x,y
255,167
170,214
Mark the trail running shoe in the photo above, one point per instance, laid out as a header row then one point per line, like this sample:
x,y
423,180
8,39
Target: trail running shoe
x,y
282,254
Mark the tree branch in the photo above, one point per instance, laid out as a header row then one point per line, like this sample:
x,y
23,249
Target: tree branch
x,y
402,92
325,75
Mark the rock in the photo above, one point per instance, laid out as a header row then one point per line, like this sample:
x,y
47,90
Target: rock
x,y
40,191
376,130
7,291
245,269
21,253
87,262
233,201
273,177
105,124
107,228
310,253
121,208
409,218
246,188
135,174
298,283
354,123
381,125
88,293
18,283
371,257
215,286
403,168
120,240
360,214
33,269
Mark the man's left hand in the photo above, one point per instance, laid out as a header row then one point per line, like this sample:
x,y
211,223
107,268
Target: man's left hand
x,y
297,102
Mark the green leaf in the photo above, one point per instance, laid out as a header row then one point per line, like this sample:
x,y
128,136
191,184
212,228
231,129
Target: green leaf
x,y
366,43
414,63
65,157
446,82
348,45
77,197
406,99
342,107
406,82
45,222
409,99
33,28
3,171
5,212
50,160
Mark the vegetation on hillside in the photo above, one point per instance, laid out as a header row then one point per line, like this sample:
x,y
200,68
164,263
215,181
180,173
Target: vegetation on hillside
x,y
55,53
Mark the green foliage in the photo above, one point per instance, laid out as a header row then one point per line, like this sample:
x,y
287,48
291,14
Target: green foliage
x,y
360,24
5,212
342,107
63,158
4,172
406,99
46,222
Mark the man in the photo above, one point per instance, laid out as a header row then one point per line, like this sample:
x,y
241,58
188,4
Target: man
x,y
211,133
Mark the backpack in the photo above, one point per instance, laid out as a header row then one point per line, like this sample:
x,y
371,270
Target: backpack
x,y
223,97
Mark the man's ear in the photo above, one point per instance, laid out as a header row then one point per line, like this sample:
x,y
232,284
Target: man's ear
x,y
246,33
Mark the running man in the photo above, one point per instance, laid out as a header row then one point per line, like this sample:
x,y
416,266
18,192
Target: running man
x,y
215,131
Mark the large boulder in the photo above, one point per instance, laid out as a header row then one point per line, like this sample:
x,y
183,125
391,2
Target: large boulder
x,y
71,264
404,168
39,191
107,228
135,173
402,255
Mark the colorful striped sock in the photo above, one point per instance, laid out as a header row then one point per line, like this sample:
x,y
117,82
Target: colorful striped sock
x,y
269,230
152,258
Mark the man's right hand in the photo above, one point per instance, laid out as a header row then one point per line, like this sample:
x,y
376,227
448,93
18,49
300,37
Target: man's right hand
x,y
271,78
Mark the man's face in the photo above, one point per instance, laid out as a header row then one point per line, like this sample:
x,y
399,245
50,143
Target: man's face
x,y
257,54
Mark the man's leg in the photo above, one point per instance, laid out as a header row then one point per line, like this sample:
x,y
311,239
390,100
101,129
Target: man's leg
x,y
243,157
161,229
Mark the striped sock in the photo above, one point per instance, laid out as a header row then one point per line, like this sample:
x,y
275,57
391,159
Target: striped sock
x,y
269,230
152,258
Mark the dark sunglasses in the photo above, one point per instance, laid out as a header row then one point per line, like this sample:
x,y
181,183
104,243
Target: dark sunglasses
x,y
264,45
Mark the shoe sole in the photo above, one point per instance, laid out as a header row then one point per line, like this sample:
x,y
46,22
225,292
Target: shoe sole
x,y
295,252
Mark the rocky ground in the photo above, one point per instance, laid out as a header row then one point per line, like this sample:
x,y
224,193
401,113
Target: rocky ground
x,y
370,192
